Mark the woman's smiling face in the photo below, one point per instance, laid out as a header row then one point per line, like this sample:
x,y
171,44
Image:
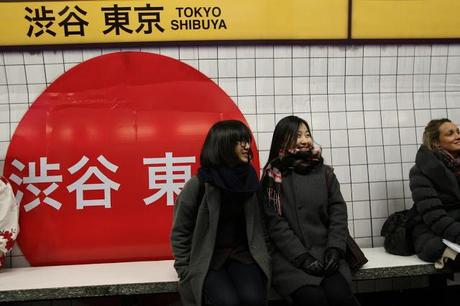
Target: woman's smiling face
x,y
449,138
242,151
304,141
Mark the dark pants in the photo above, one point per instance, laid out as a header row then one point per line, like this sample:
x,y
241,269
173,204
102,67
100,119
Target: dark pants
x,y
236,284
454,264
334,290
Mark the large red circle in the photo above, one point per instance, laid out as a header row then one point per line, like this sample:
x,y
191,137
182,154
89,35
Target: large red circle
x,y
125,107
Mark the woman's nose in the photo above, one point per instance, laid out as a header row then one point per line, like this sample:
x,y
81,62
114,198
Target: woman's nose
x,y
305,140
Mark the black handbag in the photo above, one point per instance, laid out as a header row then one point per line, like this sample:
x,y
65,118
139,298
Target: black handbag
x,y
354,256
395,231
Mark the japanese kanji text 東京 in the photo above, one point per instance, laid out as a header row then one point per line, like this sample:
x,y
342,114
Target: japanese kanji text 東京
x,y
73,20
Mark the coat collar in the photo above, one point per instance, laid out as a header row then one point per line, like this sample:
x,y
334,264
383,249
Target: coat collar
x,y
434,168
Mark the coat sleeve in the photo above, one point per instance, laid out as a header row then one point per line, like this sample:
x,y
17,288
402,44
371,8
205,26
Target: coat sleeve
x,y
185,214
281,234
430,207
337,212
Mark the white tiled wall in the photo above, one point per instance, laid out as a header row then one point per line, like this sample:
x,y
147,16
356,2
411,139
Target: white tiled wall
x,y
367,106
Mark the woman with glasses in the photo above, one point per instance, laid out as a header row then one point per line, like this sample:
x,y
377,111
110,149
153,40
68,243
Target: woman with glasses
x,y
217,236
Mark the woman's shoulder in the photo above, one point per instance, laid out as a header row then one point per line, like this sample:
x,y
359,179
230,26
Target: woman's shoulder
x,y
193,181
424,156
427,163
191,187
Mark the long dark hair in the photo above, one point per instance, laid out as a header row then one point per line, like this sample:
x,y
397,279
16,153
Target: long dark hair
x,y
219,145
285,135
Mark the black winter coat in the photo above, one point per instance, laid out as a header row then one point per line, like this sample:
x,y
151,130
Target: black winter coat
x,y
314,217
436,211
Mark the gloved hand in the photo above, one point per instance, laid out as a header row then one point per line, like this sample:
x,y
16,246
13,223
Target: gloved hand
x,y
313,266
331,260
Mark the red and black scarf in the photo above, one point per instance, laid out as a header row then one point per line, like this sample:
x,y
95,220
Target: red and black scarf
x,y
293,160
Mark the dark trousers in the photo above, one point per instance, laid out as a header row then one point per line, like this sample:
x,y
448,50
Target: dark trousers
x,y
235,284
334,290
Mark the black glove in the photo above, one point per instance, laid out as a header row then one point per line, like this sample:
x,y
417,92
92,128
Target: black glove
x,y
313,266
331,260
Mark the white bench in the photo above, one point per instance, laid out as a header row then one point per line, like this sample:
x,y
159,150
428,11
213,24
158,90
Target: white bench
x,y
384,265
153,277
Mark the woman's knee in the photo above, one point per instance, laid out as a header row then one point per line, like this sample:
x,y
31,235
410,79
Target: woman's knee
x,y
222,300
309,295
253,299
338,291
344,299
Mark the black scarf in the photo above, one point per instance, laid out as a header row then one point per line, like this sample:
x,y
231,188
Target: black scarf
x,y
241,179
299,162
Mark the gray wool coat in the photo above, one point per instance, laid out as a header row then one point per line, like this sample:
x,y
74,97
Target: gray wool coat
x,y
436,211
194,233
314,218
